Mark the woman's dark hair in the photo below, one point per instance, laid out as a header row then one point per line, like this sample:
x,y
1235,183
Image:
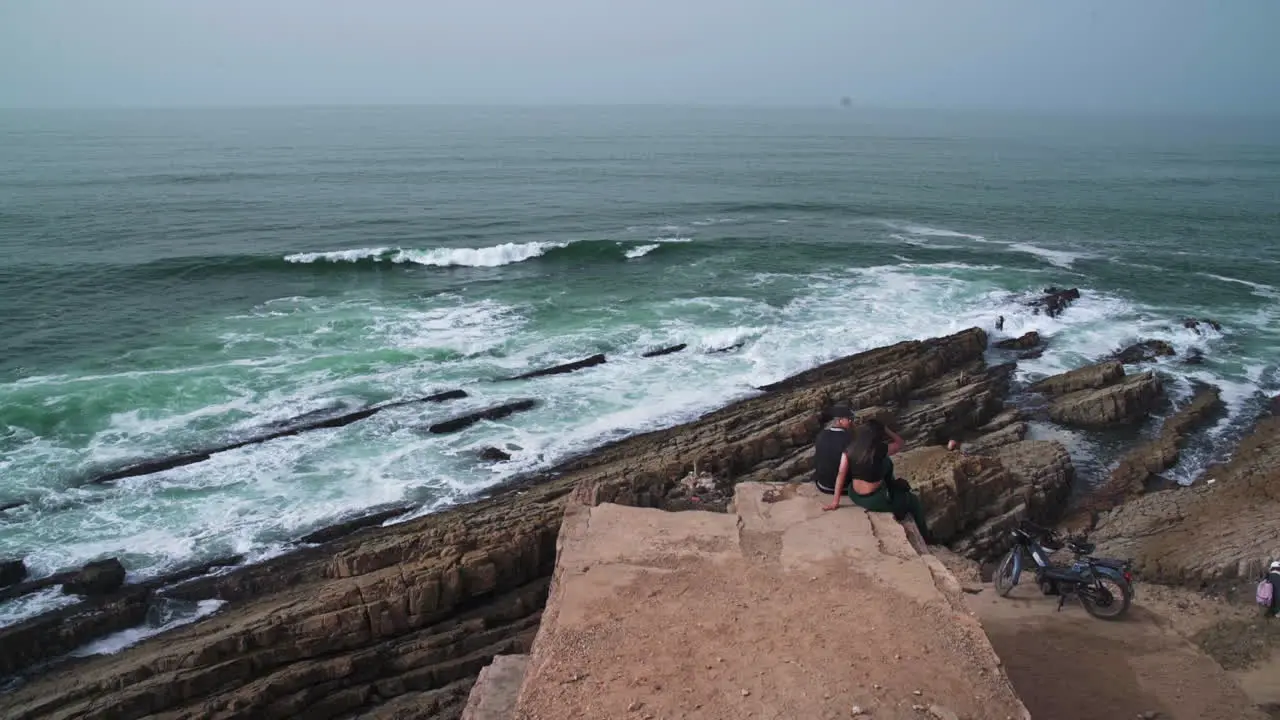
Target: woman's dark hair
x,y
878,428
862,452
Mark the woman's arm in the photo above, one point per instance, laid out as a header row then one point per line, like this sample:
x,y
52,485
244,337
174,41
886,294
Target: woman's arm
x,y
896,442
841,478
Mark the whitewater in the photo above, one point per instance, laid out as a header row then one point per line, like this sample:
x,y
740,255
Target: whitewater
x,y
242,303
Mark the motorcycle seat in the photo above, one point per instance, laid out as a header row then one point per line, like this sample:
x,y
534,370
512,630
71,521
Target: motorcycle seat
x,y
1062,574
1108,562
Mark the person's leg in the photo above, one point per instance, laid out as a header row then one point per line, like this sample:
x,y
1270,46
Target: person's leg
x,y
907,503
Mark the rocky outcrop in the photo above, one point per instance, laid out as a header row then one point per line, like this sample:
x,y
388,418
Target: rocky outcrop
x,y
316,420
496,412
1222,529
1145,351
1090,377
972,500
12,572
1128,400
493,454
396,621
1138,470
97,578
574,366
1025,342
1099,395
1198,324
1055,301
664,351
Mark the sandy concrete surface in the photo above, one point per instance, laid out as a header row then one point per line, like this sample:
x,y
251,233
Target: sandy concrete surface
x,y
774,610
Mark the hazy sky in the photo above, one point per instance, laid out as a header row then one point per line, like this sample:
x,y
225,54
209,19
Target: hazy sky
x,y
1182,55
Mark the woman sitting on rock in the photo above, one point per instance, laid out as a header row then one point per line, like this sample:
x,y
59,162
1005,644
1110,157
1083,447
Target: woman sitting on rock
x,y
865,468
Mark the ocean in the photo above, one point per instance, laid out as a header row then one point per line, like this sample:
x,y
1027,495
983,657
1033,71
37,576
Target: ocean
x,y
174,279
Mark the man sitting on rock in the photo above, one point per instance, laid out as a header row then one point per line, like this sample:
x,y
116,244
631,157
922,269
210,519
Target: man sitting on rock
x,y
828,449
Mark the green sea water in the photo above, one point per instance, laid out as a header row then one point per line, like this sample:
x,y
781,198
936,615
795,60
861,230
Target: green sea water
x,y
176,279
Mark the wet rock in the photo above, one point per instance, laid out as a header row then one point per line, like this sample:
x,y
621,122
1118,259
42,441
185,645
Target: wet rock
x,y
1273,405
12,572
1139,470
397,621
12,505
592,361
727,348
1194,356
494,413
102,577
1054,301
1198,324
1026,342
1032,354
1208,533
61,631
366,519
1086,378
493,454
1145,351
1127,400
303,423
665,351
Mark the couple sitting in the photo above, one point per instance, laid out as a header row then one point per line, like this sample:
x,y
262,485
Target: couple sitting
x,y
857,457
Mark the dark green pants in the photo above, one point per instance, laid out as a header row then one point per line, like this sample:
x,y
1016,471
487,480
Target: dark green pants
x,y
901,501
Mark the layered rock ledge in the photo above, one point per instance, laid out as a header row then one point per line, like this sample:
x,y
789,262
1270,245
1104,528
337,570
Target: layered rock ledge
x,y
396,622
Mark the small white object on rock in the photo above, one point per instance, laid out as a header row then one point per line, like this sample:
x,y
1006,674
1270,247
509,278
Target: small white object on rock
x,y
857,710
942,713
916,692
745,692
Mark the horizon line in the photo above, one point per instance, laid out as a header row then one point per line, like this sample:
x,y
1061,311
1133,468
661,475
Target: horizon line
x,y
835,106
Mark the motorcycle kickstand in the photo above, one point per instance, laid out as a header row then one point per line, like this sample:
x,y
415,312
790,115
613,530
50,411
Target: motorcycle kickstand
x,y
1062,600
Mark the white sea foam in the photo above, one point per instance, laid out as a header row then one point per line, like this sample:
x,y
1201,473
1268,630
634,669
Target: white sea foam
x,y
641,250
1259,289
337,255
493,256
256,499
926,231
118,641
1060,258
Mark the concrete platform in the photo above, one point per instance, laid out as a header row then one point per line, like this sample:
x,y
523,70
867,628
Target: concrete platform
x,y
774,610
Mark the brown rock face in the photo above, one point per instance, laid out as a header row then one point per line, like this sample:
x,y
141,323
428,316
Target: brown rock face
x,y
1090,377
396,621
1099,395
1128,400
976,498
1026,342
1211,532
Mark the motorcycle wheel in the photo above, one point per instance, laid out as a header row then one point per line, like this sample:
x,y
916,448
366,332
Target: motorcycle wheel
x,y
1112,602
1003,577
